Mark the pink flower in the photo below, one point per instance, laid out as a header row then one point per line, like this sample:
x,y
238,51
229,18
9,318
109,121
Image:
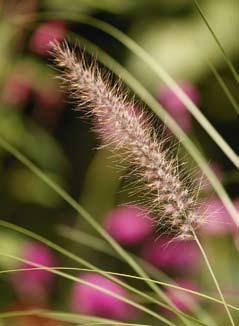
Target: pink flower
x,y
170,254
90,301
129,225
49,104
175,107
34,283
16,90
217,219
184,301
45,34
49,99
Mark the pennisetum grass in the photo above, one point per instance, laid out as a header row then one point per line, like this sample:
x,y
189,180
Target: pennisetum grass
x,y
121,127
177,209
153,64
135,85
150,100
62,193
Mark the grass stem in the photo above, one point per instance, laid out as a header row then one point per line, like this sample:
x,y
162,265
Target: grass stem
x,y
213,276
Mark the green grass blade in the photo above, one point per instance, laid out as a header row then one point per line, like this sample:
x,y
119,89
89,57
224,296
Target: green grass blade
x,y
89,240
64,316
214,278
227,60
90,266
74,204
226,90
169,285
94,286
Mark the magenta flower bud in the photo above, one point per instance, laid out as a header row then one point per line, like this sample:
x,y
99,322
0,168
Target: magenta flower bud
x,y
128,225
217,220
170,254
45,34
34,283
90,301
174,105
182,300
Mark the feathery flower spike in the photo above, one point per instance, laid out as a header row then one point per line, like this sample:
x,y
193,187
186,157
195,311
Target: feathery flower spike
x,y
124,128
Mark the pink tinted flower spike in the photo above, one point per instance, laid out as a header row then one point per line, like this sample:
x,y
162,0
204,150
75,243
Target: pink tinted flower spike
x,y
172,202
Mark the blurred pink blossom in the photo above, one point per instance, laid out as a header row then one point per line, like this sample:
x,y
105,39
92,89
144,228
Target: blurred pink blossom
x,y
49,104
129,225
170,254
47,32
90,301
49,99
175,107
16,90
184,301
217,220
34,283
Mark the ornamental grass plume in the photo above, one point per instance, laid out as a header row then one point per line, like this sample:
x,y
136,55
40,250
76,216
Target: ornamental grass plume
x,y
124,128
